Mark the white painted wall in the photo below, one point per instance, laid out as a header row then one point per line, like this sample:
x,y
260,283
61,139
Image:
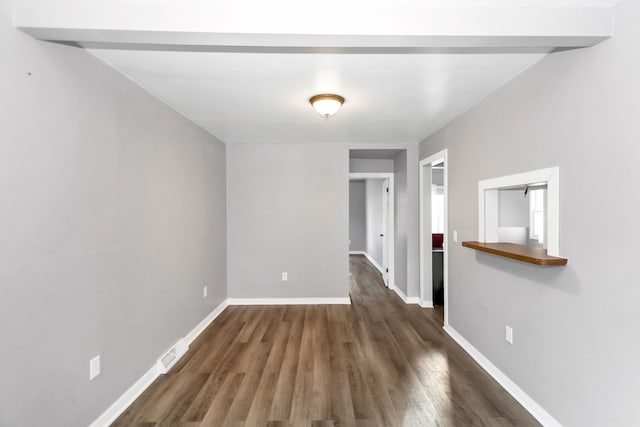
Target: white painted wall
x,y
574,350
357,216
112,219
374,194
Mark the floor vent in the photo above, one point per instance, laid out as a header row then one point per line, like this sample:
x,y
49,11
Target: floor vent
x,y
171,357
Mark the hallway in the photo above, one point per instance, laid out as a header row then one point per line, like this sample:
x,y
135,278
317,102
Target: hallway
x,y
378,362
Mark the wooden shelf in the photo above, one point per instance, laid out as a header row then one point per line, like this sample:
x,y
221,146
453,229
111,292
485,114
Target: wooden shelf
x,y
522,253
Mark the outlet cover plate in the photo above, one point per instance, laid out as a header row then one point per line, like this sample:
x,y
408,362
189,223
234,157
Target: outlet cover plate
x,y
508,334
94,367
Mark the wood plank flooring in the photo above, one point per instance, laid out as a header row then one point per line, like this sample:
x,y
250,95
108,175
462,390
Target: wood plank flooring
x,y
377,362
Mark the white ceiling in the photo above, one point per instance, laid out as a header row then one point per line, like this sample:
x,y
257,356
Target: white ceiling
x,y
244,70
263,97
523,3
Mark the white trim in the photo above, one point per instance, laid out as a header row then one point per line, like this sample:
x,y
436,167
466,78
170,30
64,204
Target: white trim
x,y
551,176
404,297
391,278
175,353
129,396
289,301
195,332
370,175
512,388
357,253
374,263
441,156
386,207
425,304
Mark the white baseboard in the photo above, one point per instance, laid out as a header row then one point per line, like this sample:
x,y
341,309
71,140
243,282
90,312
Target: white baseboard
x,y
172,356
370,258
129,396
425,304
288,301
403,296
512,388
191,336
374,263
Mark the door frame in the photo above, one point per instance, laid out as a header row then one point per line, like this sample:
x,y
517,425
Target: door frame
x,y
436,158
389,241
386,205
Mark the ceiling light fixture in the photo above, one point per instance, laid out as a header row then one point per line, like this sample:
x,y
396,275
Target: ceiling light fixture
x,y
326,104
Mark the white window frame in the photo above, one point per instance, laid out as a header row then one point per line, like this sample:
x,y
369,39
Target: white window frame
x,y
537,195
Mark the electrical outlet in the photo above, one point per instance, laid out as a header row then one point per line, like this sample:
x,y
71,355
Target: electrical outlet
x,y
455,235
508,334
204,292
285,276
94,367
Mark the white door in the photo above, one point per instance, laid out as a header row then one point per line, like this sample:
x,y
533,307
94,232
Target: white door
x,y
384,233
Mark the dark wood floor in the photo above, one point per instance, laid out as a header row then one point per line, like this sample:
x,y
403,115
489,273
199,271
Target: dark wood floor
x,y
377,362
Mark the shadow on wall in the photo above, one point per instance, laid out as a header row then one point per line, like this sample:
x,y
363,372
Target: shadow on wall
x,y
560,278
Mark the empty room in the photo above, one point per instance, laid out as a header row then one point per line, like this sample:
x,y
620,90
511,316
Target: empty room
x,y
344,213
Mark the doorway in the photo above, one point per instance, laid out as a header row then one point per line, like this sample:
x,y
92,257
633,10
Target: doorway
x,y
434,233
378,245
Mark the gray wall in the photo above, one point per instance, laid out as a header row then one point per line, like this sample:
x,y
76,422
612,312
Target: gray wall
x,y
407,213
513,208
288,211
400,216
371,165
357,216
374,189
575,345
437,176
112,218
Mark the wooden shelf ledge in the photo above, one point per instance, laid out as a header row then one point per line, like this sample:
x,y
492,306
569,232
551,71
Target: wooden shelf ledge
x,y
522,253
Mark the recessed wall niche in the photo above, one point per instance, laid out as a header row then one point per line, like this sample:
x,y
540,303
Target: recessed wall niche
x,y
522,215
519,217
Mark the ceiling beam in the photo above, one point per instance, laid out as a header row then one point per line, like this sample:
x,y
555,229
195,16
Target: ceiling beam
x,y
326,24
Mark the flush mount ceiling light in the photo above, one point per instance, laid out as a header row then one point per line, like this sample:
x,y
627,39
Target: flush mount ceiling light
x,y
326,104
